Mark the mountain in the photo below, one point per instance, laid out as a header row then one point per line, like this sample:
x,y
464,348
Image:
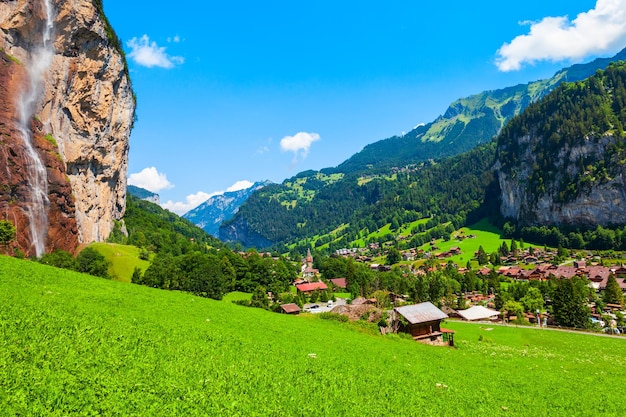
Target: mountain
x,y
396,180
158,230
466,123
563,161
345,208
219,208
66,111
143,194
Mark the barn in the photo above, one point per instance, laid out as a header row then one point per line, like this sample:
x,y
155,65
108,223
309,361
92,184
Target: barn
x,y
423,322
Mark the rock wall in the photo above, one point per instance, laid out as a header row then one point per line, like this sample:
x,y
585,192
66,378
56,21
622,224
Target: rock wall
x,y
87,107
603,203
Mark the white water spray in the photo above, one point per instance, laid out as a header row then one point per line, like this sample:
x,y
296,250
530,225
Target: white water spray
x,y
41,58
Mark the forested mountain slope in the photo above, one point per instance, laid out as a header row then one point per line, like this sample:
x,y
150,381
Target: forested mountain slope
x,y
466,123
400,186
562,162
314,204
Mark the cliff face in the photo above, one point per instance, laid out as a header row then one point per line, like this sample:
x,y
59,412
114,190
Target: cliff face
x,y
80,122
603,203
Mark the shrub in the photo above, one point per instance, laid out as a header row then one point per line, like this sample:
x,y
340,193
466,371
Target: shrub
x,y
333,316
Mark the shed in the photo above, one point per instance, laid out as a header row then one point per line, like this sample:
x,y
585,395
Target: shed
x,y
422,321
290,308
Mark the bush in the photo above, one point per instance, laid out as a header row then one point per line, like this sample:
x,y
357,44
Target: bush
x,y
333,316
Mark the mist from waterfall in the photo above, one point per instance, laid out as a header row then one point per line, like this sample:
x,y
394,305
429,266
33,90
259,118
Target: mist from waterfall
x,y
38,64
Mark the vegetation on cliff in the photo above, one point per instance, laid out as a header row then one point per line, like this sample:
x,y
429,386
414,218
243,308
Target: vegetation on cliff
x,y
574,116
315,203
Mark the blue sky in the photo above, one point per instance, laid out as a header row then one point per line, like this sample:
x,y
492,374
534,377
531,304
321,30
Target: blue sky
x,y
237,92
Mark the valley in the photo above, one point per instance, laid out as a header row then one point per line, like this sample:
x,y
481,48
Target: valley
x,y
472,266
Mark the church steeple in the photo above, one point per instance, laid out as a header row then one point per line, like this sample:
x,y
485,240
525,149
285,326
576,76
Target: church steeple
x,y
309,258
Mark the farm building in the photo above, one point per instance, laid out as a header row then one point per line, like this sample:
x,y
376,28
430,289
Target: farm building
x,y
339,283
290,308
423,322
310,287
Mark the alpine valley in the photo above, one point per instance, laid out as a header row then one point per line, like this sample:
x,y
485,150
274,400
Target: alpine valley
x,y
402,179
508,208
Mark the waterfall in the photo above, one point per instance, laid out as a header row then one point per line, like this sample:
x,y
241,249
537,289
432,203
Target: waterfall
x,y
41,58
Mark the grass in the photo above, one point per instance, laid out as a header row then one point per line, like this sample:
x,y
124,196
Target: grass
x,y
236,296
123,259
71,344
487,236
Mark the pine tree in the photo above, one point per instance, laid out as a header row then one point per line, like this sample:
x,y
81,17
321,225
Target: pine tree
x,y
613,293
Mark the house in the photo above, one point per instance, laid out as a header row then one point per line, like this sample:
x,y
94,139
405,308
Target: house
x,y
423,322
339,283
290,308
308,288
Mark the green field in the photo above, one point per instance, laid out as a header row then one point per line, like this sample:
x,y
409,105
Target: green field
x,y
122,258
487,236
71,344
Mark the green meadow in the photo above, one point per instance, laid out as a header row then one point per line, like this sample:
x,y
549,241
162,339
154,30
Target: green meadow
x,y
486,235
71,344
122,259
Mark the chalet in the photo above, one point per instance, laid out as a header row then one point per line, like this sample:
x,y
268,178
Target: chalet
x,y
408,256
455,250
423,322
290,308
531,259
620,272
567,272
339,283
310,287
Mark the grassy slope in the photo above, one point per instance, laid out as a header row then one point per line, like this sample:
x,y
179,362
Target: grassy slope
x,y
123,259
73,344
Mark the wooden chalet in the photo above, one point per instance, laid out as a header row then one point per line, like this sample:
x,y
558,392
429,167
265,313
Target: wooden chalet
x,y
339,282
423,322
290,308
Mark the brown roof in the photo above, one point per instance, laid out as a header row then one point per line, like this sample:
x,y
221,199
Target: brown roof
x,y
340,282
565,272
421,313
290,308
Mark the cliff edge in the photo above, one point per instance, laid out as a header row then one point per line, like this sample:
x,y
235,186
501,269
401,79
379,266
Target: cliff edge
x,y
78,123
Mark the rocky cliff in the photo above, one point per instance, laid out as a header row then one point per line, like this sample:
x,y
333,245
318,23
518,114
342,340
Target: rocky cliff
x,y
79,122
563,162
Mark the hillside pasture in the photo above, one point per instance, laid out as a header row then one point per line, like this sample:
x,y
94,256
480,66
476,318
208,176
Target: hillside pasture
x,y
71,344
123,259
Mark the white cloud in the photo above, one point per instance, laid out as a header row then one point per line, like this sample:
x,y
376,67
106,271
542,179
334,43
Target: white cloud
x,y
599,30
299,144
240,185
148,54
191,202
194,200
262,150
175,39
150,179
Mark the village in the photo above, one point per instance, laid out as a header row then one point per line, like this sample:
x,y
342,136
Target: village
x,y
422,321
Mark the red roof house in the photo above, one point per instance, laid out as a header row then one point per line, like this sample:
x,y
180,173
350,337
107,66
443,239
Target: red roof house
x,y
310,287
